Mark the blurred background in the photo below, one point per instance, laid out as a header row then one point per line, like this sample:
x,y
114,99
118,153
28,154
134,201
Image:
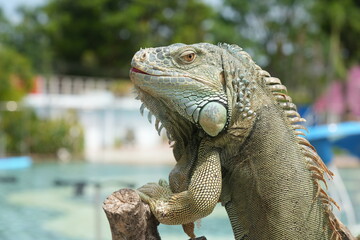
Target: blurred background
x,y
70,129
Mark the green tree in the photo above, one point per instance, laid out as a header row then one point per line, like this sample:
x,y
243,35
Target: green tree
x,y
26,133
305,43
339,23
280,35
30,39
16,75
339,26
100,37
27,37
5,29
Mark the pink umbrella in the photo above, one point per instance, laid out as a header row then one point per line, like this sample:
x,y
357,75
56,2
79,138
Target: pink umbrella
x,y
332,101
353,91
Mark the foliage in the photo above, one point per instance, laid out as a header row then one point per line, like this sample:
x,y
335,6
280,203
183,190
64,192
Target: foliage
x,y
121,88
5,28
26,133
23,131
278,34
305,43
99,37
293,39
29,39
16,75
339,22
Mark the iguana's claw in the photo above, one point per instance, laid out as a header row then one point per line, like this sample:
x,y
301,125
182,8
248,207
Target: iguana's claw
x,y
155,191
164,183
145,198
156,195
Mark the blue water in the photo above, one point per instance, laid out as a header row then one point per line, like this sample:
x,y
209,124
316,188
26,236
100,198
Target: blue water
x,y
41,202
33,206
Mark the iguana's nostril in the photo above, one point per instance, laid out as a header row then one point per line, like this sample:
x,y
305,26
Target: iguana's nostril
x,y
143,56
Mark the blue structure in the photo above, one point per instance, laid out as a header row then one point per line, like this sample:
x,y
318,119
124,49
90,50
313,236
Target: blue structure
x,y
15,162
344,135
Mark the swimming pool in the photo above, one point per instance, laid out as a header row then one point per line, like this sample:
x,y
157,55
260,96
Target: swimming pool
x,y
63,201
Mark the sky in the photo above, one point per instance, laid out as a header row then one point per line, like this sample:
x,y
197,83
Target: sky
x,y
9,7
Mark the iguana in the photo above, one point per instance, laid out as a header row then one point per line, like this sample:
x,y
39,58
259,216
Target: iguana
x,y
236,138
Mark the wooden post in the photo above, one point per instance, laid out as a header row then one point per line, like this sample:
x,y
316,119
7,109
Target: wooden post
x,y
130,218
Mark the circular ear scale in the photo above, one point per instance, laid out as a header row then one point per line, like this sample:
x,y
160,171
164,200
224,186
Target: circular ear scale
x,y
213,118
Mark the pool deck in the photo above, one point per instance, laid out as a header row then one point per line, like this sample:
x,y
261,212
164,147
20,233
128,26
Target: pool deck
x,y
346,161
162,155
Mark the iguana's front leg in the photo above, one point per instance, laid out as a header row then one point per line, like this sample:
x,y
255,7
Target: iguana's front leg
x,y
180,176
197,201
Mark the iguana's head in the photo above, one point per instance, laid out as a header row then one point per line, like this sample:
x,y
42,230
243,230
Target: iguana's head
x,y
187,83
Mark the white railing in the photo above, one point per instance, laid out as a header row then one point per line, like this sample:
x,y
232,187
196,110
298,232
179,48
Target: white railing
x,y
72,85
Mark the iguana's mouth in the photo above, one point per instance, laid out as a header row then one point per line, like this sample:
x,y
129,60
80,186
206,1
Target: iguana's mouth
x,y
138,71
156,73
160,74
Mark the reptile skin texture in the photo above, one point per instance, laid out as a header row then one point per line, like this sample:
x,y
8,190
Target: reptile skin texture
x,y
237,139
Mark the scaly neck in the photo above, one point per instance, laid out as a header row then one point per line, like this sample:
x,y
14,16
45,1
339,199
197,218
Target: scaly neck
x,y
276,188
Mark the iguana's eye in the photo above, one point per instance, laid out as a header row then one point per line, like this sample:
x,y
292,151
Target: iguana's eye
x,y
188,56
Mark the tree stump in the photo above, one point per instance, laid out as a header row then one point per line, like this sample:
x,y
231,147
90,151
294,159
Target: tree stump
x,y
130,218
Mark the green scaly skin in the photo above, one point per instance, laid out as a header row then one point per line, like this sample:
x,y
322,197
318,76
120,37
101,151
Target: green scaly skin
x,y
235,139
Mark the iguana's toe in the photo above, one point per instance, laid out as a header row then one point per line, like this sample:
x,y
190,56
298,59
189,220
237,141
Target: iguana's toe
x,y
155,191
164,183
145,198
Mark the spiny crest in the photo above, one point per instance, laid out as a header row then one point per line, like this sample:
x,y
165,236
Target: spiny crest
x,y
279,92
158,124
314,163
237,51
243,89
243,85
